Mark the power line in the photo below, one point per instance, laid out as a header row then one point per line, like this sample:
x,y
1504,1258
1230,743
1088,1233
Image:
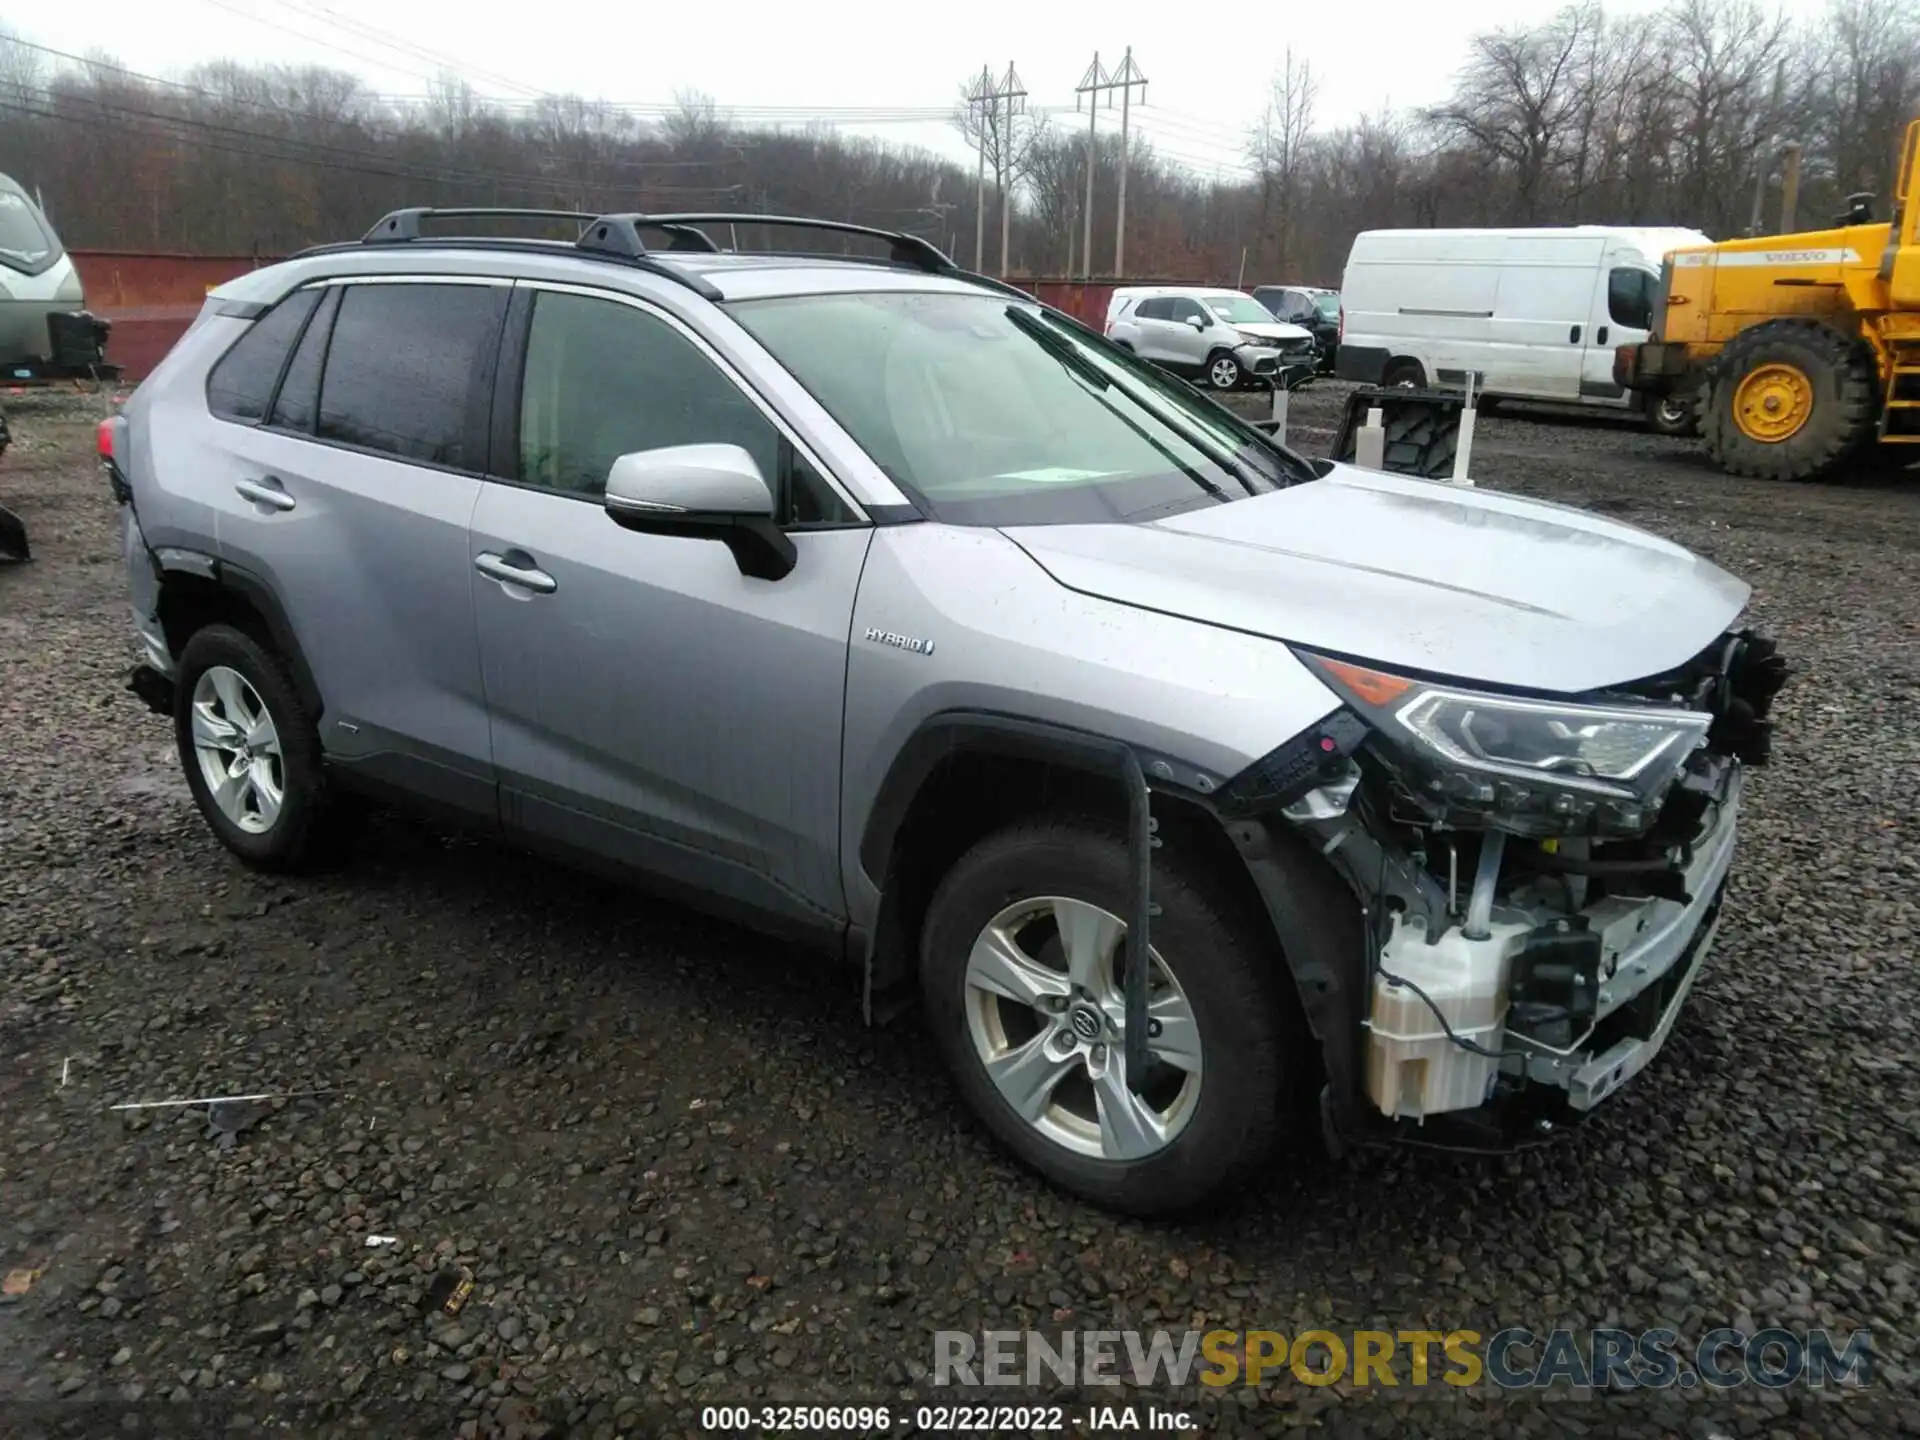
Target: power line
x,y
288,150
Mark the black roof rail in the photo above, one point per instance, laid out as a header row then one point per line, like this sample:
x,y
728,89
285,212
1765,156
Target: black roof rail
x,y
399,225
902,248
618,236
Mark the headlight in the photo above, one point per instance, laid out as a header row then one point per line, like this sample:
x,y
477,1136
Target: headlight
x,y
1534,766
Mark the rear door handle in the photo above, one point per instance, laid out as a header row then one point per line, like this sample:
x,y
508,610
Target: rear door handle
x,y
1573,336
265,491
525,576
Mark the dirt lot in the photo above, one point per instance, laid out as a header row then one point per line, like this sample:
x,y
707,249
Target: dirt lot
x,y
681,1172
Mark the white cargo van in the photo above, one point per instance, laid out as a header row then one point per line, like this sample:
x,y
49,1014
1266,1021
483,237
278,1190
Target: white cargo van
x,y
1534,314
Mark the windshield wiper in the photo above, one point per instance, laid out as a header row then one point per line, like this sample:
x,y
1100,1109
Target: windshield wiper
x,y
1296,464
1078,365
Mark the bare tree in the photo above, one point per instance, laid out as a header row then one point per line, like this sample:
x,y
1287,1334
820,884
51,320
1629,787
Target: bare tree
x,y
1516,100
1278,152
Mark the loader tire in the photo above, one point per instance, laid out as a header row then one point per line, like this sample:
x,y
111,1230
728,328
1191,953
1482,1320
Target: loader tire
x,y
1790,400
1421,439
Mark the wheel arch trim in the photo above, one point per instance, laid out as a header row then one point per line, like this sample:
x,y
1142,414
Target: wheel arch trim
x,y
259,596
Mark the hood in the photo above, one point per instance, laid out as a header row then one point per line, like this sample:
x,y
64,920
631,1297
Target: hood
x,y
1276,330
1455,583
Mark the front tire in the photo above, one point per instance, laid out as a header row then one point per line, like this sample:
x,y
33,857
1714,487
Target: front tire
x,y
1224,373
1790,400
251,752
1677,416
1021,963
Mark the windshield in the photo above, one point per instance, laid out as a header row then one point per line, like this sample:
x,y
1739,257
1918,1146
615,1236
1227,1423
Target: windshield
x,y
993,412
1238,309
1328,305
24,241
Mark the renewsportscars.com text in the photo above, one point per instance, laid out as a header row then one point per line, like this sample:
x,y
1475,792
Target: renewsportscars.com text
x,y
1512,1359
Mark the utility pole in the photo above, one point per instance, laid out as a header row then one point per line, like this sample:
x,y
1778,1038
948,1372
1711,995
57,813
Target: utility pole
x,y
1126,77
976,102
1092,85
1770,150
985,99
1013,93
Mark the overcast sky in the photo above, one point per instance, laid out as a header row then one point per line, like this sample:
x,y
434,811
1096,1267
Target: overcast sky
x,y
881,70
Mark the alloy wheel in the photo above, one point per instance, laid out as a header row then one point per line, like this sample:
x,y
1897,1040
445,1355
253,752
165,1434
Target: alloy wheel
x,y
238,747
1047,1014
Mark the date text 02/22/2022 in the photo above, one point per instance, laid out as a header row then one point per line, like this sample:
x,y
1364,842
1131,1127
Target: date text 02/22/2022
x,y
943,1419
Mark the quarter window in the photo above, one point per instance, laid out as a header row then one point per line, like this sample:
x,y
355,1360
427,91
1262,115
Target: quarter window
x,y
294,406
408,370
242,383
604,380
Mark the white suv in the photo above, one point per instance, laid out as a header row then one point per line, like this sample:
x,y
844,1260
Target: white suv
x,y
1222,336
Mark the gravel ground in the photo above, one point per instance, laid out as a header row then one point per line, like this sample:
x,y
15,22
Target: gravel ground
x,y
680,1172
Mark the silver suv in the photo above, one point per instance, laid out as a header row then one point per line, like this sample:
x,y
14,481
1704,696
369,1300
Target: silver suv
x,y
1207,798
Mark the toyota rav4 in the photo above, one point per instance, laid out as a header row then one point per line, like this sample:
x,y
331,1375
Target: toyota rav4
x,y
1206,797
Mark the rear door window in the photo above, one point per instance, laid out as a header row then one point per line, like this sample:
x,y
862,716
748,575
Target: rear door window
x,y
241,385
1153,309
409,371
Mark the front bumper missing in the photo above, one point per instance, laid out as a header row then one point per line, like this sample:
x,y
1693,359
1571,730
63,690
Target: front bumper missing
x,y
1647,953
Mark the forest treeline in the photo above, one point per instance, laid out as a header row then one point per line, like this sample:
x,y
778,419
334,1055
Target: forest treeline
x,y
1679,117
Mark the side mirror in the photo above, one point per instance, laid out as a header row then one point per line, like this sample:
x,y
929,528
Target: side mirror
x,y
1198,322
704,492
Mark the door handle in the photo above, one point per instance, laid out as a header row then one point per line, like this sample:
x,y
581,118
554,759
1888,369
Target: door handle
x,y
527,577
265,491
1601,338
1573,336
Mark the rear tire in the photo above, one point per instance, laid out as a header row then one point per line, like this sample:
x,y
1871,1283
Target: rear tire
x,y
1026,893
1809,423
1403,372
242,731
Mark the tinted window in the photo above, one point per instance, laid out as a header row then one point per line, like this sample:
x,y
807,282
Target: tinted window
x,y
1155,309
1329,307
299,397
1184,310
604,380
407,370
242,383
1630,298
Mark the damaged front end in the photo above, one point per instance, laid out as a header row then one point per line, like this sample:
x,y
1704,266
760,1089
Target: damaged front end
x,y
1541,880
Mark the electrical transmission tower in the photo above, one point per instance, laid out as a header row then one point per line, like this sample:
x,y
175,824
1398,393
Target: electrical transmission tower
x,y
986,98
1094,84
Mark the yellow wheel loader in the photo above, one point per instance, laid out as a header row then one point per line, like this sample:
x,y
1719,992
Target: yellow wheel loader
x,y
1800,353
